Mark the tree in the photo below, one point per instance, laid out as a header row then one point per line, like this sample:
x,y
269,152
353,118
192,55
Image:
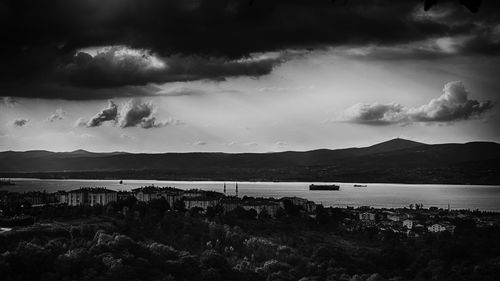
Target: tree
x,y
179,205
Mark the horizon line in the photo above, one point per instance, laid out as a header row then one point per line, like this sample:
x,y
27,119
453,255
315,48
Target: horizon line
x,y
281,151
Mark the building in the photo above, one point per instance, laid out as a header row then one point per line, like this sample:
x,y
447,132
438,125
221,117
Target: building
x,y
204,200
259,206
367,216
123,195
38,198
91,196
436,228
200,202
295,200
171,195
408,224
230,203
193,193
308,206
62,197
148,193
393,217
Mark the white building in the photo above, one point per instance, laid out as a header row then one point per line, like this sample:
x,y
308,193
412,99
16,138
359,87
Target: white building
x,y
193,193
367,216
200,202
91,196
148,193
436,228
62,197
393,217
408,224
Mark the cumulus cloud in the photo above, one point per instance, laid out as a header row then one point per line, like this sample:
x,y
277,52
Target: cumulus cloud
x,y
59,114
20,122
137,114
80,122
453,105
200,143
110,113
376,113
134,113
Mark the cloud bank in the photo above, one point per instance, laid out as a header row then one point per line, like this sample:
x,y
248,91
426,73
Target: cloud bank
x,y
49,47
453,105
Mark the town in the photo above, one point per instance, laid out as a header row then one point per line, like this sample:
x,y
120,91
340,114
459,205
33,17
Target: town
x,y
166,233
410,222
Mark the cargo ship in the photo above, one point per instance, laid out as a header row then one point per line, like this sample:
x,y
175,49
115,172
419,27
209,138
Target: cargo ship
x,y
324,187
360,185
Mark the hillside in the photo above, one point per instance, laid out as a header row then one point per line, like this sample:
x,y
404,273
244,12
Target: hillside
x,y
397,160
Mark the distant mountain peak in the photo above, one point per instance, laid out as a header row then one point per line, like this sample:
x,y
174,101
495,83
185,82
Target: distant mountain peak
x,y
79,151
398,141
392,145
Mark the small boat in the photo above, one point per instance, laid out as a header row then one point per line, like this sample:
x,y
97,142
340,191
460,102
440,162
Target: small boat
x,y
121,181
324,187
360,185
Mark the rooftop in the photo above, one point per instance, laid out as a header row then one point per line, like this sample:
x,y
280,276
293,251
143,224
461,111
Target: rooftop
x,y
93,190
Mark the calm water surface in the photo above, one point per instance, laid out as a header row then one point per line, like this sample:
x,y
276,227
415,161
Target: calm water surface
x,y
375,195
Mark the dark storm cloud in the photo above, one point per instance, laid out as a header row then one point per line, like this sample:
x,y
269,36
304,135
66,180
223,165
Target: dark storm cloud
x,y
198,39
453,105
120,66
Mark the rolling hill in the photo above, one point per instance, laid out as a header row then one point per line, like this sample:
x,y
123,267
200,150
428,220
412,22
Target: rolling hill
x,y
397,160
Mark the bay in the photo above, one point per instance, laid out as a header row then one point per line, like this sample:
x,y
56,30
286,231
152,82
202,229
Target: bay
x,y
379,195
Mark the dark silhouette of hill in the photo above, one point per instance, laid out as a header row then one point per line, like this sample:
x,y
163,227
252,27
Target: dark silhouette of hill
x,y
392,145
397,160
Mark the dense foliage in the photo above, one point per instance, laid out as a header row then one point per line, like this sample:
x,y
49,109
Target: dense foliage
x,y
136,241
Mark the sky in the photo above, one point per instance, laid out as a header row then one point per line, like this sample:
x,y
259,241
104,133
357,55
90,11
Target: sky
x,y
246,76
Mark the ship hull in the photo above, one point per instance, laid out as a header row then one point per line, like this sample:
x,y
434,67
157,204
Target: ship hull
x,y
324,187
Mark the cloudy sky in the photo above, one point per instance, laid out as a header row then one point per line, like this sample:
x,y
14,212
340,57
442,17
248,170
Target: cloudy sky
x,y
240,75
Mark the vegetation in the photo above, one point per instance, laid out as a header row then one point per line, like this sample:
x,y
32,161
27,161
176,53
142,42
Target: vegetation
x,y
129,240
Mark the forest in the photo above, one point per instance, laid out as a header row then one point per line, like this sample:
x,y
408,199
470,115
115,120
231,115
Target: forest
x,y
130,240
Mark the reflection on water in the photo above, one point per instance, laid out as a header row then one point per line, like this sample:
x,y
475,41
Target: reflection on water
x,y
375,195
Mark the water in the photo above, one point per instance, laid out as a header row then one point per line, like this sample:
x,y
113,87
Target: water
x,y
378,195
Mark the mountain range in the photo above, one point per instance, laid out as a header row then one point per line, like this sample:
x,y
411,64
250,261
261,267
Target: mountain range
x,y
396,160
